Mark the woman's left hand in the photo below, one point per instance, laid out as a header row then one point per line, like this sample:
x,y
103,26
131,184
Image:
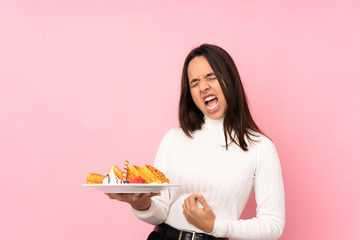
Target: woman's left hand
x,y
202,218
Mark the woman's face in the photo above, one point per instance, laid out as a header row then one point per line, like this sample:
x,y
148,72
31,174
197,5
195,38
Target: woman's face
x,y
205,89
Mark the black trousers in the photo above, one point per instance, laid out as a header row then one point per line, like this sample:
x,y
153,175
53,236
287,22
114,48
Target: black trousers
x,y
165,232
158,236
154,236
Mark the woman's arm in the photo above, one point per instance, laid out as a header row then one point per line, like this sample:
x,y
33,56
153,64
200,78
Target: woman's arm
x,y
270,198
159,207
138,201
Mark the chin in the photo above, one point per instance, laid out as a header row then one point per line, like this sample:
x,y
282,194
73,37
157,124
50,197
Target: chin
x,y
215,116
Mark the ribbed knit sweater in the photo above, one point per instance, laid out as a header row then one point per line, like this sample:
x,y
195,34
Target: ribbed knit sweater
x,y
225,178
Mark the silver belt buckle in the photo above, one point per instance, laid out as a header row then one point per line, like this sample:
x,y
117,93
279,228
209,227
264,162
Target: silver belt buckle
x,y
192,232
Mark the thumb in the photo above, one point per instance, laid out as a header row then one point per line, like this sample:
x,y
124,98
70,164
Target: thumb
x,y
155,194
203,202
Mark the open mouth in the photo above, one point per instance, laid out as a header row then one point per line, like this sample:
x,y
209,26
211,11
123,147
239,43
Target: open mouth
x,y
211,102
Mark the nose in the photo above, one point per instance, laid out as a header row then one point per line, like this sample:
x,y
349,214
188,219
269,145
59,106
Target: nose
x,y
203,85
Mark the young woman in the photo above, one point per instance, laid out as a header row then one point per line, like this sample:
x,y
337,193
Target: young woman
x,y
219,155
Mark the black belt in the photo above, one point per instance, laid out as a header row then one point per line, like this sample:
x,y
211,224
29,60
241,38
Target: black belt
x,y
174,233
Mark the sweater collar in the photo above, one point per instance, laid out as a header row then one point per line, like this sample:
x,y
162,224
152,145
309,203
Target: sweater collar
x,y
216,124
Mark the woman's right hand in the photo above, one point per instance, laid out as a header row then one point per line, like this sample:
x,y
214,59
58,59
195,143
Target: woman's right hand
x,y
139,201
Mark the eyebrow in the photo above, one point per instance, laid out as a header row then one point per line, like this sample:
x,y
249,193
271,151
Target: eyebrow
x,y
206,76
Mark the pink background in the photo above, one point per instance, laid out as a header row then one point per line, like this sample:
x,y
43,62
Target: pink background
x,y
85,85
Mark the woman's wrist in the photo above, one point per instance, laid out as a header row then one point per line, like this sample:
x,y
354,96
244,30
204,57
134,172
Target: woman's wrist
x,y
141,207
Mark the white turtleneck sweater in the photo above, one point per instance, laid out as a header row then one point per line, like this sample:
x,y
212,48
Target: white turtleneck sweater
x,y
225,178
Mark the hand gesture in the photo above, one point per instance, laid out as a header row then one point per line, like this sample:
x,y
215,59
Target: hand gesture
x,y
202,218
139,201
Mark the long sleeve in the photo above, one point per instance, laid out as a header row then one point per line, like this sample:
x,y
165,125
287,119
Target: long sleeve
x,y
159,207
270,198
192,162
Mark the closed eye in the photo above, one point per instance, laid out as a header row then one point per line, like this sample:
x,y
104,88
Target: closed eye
x,y
211,76
194,82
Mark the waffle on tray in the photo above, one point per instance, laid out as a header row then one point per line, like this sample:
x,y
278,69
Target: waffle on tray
x,y
148,173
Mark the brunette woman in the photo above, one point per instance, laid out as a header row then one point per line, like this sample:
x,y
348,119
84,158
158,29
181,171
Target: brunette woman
x,y
219,155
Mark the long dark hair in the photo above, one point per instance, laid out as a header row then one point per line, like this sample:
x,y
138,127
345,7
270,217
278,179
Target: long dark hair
x,y
238,122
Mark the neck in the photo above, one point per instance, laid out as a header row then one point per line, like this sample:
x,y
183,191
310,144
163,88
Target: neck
x,y
213,123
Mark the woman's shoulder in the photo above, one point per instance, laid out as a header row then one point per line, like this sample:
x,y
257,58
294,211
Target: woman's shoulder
x,y
264,151
173,133
258,141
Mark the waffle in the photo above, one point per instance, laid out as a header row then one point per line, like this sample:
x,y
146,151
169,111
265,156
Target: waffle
x,y
117,172
152,174
94,178
134,171
148,173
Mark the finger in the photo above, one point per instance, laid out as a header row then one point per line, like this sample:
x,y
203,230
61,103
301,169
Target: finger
x,y
113,196
203,202
125,197
135,196
150,195
190,204
185,208
109,195
191,201
155,194
141,196
186,204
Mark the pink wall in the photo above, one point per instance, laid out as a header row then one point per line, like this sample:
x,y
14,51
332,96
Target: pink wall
x,y
85,85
